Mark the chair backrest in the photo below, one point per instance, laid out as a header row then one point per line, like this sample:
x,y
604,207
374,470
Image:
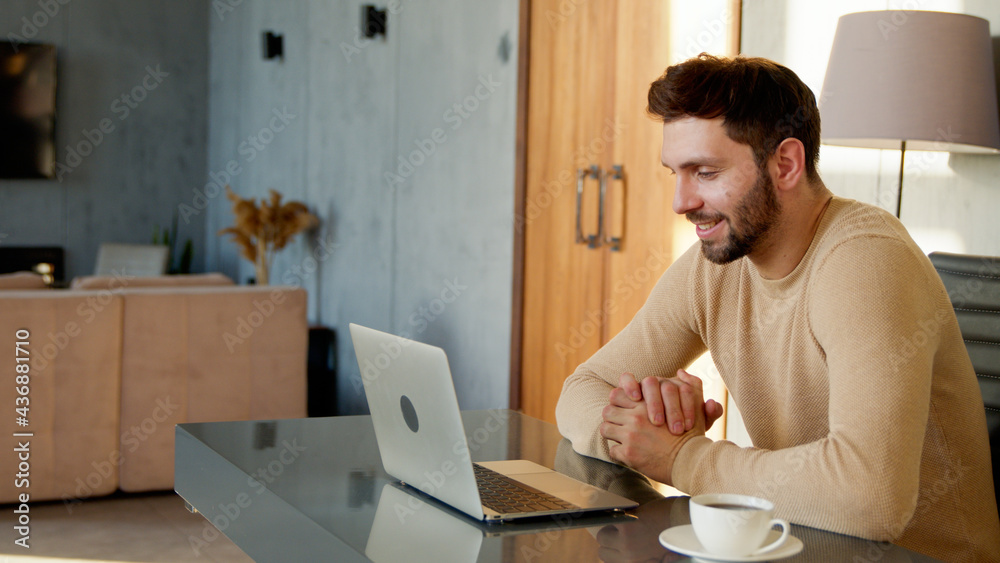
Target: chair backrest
x,y
131,259
973,284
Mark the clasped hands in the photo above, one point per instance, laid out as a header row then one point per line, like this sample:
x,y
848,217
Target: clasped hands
x,y
646,423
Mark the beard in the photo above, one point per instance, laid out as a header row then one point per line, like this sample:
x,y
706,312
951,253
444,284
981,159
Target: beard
x,y
755,215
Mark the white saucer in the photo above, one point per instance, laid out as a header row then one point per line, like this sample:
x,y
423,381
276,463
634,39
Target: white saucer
x,y
682,540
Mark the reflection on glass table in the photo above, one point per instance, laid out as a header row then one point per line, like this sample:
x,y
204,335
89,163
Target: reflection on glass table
x,y
314,490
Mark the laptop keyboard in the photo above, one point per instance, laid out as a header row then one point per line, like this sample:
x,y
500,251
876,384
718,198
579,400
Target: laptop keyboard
x,y
507,496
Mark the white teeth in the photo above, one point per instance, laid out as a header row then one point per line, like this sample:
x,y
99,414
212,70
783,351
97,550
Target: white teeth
x,y
707,226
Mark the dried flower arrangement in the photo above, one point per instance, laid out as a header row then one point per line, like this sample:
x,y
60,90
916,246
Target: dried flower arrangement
x,y
262,230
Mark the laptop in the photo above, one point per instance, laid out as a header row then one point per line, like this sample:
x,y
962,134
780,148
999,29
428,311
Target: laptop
x,y
422,440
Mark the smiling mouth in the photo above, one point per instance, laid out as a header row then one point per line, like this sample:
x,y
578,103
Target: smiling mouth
x,y
707,230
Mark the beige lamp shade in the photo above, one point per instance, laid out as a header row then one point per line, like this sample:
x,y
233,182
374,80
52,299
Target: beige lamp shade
x,y
921,77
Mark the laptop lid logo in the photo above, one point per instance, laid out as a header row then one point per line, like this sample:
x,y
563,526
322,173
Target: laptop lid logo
x,y
409,413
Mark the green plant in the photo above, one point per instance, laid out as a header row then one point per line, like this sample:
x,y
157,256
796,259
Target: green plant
x,y
168,238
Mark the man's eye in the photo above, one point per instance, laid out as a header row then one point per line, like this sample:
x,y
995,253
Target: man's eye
x,y
707,175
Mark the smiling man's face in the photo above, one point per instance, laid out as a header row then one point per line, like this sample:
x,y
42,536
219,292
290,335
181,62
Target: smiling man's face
x,y
720,188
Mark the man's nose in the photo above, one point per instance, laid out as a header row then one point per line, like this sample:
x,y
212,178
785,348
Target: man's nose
x,y
685,197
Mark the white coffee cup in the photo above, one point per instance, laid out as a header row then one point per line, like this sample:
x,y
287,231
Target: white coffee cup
x,y
735,525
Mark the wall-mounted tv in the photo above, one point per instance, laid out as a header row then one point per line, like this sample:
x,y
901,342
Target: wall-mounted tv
x,y
27,110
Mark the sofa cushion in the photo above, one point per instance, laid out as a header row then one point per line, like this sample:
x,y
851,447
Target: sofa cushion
x,y
205,354
22,280
114,283
74,379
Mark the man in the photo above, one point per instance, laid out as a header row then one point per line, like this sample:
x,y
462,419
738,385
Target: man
x,y
829,326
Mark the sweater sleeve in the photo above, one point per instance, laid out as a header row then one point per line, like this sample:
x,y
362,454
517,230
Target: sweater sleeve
x,y
660,339
871,308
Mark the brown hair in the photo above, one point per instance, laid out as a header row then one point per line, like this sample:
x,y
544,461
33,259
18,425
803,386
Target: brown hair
x,y
761,102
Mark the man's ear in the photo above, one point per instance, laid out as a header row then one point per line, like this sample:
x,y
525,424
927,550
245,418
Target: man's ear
x,y
789,160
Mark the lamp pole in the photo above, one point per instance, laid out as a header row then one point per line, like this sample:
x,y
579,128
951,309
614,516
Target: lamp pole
x,y
899,197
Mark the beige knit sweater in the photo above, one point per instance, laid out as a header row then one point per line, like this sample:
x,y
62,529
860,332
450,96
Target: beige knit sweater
x,y
852,377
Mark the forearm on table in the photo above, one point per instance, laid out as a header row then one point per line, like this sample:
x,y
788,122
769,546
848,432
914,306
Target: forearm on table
x,y
578,413
658,341
861,479
585,393
848,483
828,484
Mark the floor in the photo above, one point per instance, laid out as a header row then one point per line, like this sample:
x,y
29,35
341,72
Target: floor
x,y
126,528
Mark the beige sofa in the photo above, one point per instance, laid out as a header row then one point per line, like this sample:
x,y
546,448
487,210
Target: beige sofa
x,y
113,370
22,280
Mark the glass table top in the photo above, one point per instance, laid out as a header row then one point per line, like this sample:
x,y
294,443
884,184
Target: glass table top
x,y
314,490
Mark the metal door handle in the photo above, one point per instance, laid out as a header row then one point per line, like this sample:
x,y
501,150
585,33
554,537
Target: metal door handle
x,y
593,241
615,174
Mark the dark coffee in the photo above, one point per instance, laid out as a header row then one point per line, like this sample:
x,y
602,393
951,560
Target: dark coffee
x,y
729,506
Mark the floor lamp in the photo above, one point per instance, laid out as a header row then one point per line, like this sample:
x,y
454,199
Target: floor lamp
x,y
911,81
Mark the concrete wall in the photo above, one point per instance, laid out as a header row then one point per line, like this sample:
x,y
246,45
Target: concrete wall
x,y
949,200
134,176
403,146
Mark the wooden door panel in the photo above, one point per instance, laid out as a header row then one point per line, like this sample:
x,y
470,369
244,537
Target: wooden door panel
x,y
590,66
639,205
570,81
654,236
